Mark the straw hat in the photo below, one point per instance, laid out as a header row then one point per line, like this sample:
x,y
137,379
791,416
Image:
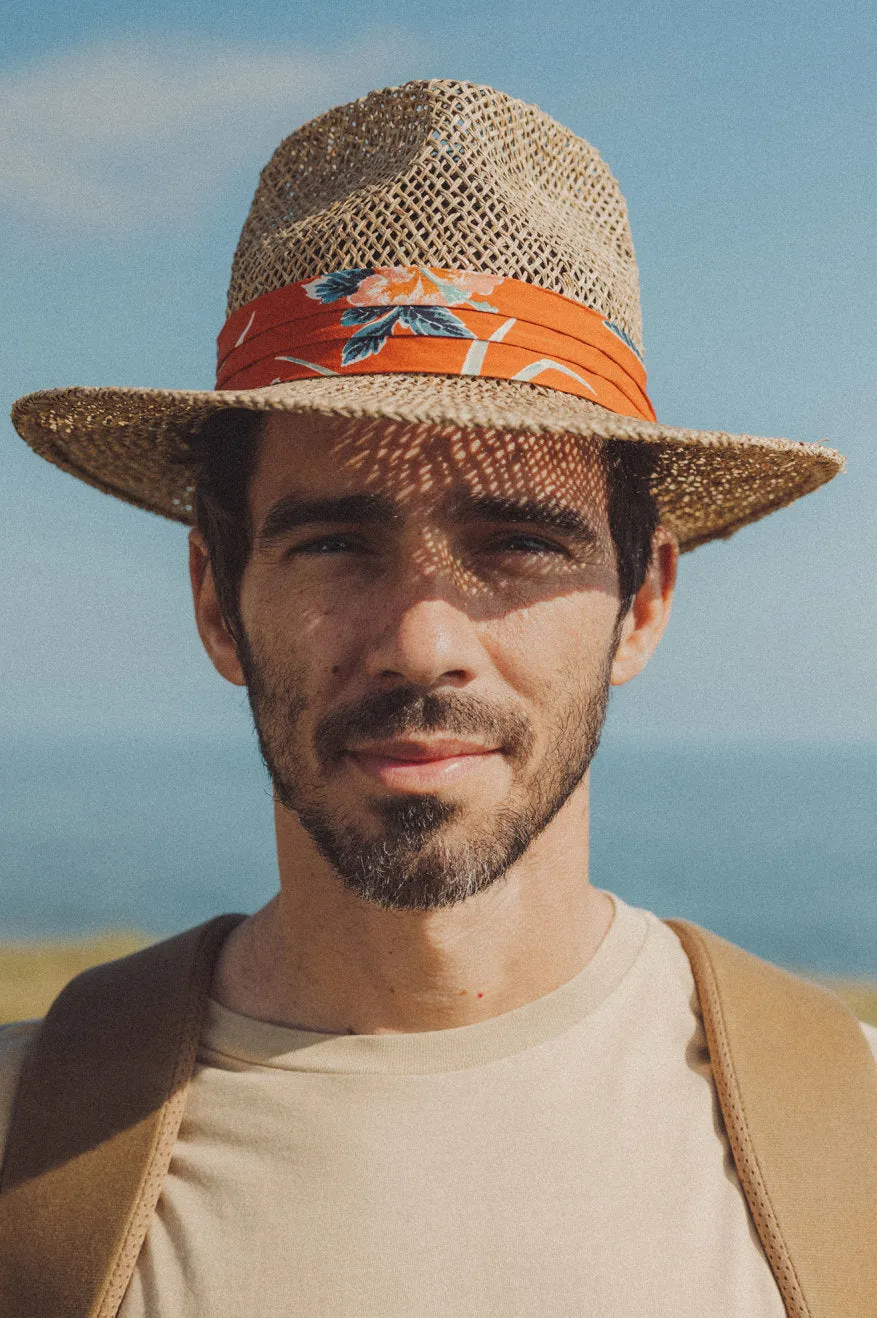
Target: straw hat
x,y
434,253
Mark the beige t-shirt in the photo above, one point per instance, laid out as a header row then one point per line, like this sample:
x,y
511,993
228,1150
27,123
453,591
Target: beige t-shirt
x,y
565,1158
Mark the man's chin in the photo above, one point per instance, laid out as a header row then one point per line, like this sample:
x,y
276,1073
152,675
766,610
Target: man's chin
x,y
415,852
404,825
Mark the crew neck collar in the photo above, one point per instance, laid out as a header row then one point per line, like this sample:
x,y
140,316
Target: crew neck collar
x,y
242,1039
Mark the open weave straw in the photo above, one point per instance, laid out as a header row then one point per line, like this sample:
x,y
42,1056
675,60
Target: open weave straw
x,y
454,176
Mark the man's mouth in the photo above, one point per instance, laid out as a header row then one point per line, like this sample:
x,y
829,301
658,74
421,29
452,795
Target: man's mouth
x,y
409,763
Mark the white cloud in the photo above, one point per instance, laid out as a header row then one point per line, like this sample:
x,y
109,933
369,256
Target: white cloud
x,y
134,133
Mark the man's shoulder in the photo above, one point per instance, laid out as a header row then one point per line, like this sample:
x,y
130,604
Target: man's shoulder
x,y
15,1040
667,928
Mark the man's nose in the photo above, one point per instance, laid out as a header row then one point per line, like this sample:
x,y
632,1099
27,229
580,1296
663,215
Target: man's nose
x,y
427,640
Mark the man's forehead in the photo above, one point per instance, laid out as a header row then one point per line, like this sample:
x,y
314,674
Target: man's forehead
x,y
421,464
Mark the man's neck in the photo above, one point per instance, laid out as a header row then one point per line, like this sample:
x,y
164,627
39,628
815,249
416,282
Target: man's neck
x,y
320,958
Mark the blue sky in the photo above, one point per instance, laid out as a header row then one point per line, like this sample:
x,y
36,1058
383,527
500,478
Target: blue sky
x,y
742,136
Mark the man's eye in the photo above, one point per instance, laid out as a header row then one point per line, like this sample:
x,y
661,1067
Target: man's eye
x,y
525,544
326,544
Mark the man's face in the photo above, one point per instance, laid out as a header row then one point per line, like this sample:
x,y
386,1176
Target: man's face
x,y
430,623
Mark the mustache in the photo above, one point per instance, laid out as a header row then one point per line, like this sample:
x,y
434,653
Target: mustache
x,y
406,710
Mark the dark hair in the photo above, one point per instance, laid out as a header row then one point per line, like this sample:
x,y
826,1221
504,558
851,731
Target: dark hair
x,y
225,451
633,513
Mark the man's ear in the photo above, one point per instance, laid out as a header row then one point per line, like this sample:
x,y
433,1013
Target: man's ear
x,y
215,636
648,615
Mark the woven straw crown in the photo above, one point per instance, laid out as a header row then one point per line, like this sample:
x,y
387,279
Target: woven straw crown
x,y
443,175
439,174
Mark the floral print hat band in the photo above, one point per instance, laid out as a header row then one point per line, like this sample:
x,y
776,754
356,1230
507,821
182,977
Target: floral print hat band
x,y
415,319
436,254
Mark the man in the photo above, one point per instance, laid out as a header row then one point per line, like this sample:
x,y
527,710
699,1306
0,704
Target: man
x,y
435,520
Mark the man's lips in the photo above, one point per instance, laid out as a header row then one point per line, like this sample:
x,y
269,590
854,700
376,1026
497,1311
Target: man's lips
x,y
438,748
416,764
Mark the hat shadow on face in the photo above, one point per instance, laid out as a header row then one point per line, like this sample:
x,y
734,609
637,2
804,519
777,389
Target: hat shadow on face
x,y
540,504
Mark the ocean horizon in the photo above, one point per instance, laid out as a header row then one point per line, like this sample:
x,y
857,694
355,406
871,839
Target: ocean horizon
x,y
772,846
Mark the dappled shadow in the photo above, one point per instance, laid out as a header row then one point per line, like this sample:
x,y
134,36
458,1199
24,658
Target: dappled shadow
x,y
447,503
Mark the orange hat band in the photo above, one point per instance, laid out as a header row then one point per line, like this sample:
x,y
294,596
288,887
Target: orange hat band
x,y
413,320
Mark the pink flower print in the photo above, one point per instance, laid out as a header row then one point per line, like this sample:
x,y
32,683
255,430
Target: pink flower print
x,y
456,287
375,290
403,286
471,282
419,287
396,286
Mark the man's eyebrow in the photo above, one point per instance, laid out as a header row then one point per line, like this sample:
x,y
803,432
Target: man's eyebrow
x,y
550,514
350,509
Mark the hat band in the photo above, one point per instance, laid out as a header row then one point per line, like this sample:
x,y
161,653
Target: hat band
x,y
422,320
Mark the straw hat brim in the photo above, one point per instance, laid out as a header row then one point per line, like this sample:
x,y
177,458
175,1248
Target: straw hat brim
x,y
136,444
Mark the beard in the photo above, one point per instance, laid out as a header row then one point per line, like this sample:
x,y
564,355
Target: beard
x,y
423,854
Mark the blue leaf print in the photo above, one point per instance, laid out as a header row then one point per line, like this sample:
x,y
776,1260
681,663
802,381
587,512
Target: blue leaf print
x,y
340,283
364,315
370,339
435,321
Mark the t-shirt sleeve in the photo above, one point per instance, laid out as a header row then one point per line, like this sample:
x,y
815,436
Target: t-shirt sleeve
x,y
15,1039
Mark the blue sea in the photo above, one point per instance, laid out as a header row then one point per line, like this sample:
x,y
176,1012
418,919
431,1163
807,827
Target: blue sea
x,y
774,847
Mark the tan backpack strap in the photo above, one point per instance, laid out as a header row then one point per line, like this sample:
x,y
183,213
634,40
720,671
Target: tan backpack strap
x,y
96,1115
797,1085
